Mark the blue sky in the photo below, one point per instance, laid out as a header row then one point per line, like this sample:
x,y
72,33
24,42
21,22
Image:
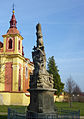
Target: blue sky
x,y
62,27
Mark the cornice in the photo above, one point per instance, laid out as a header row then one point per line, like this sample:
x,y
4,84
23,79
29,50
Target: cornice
x,y
8,35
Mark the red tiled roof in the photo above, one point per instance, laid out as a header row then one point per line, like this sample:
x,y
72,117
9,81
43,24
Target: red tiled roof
x,y
26,59
31,62
12,31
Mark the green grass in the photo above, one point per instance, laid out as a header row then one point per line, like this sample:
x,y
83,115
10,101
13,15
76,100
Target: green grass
x,y
4,108
75,106
3,116
64,105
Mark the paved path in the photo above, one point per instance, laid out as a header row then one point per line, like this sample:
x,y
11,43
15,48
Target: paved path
x,y
81,117
3,113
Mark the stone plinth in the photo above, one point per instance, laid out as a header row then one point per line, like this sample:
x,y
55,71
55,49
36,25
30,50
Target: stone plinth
x,y
34,115
41,104
41,100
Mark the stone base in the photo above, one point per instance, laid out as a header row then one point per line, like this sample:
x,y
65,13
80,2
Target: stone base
x,y
34,115
41,100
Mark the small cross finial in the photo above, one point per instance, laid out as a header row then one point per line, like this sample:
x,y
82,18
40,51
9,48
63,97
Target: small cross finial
x,y
13,9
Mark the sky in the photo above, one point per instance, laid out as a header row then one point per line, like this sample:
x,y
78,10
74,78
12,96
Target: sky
x,y
62,23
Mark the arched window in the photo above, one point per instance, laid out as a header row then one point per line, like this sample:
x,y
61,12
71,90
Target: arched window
x,y
10,43
19,45
26,72
19,83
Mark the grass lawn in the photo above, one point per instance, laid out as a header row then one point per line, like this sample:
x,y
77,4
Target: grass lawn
x,y
75,106
4,109
3,116
64,105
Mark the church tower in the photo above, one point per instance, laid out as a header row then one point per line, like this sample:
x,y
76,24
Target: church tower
x,y
14,67
13,39
12,58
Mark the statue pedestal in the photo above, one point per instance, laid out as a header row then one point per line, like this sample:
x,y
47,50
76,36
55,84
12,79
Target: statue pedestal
x,y
33,115
41,102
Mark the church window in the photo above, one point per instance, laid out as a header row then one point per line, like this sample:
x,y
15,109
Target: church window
x,y
19,45
19,86
26,72
10,43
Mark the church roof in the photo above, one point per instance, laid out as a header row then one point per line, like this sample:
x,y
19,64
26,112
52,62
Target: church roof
x,y
12,31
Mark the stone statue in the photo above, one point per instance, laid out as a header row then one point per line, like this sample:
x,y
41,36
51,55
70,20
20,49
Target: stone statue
x,y
39,36
41,83
40,78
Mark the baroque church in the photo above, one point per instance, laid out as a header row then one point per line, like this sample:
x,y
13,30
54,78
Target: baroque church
x,y
15,69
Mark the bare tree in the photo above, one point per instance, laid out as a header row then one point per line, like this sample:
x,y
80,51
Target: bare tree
x,y
76,90
70,86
